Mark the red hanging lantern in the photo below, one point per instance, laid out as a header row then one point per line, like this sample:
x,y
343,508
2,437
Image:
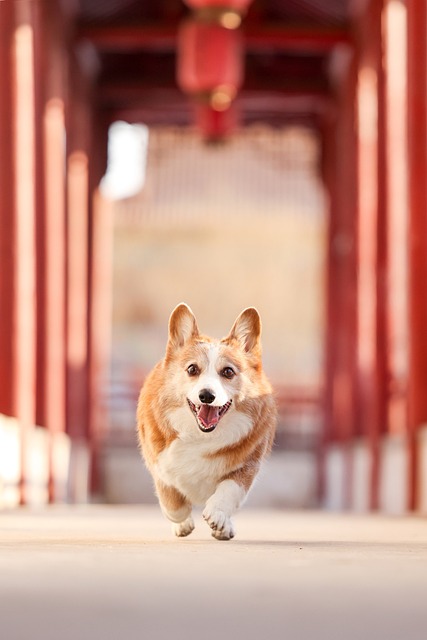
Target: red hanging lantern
x,y
215,125
210,59
210,62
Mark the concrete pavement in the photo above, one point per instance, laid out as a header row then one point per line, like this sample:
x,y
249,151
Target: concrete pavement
x,y
101,572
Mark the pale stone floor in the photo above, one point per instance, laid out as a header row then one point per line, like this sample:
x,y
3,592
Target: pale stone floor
x,y
104,572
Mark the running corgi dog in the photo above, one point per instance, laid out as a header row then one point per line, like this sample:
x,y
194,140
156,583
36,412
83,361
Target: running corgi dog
x,y
206,418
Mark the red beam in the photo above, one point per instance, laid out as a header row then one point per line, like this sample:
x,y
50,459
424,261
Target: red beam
x,y
128,93
289,38
169,106
258,38
130,37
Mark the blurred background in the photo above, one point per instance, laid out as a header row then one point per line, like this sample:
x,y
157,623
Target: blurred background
x,y
226,154
223,227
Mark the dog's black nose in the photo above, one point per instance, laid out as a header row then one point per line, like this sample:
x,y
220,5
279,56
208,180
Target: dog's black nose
x,y
206,396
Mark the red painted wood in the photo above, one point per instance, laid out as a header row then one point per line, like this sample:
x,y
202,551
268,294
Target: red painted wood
x,y
7,230
24,190
292,38
395,62
77,251
257,37
77,295
208,56
417,134
341,171
372,231
238,5
99,298
41,222
329,426
52,120
382,334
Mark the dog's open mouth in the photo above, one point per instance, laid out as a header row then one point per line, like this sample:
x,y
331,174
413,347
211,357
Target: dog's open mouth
x,y
208,416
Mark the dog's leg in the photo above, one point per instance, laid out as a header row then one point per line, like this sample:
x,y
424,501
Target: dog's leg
x,y
230,494
228,497
176,508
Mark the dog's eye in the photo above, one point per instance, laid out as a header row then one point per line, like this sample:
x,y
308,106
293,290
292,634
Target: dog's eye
x,y
193,370
228,373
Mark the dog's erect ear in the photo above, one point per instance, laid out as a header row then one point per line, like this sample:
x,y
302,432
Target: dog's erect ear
x,y
246,330
182,326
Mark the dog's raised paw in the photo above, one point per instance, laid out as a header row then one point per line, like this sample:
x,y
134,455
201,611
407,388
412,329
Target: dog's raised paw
x,y
184,528
220,523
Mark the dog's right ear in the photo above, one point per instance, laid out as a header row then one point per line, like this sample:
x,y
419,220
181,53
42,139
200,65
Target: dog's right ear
x,y
182,326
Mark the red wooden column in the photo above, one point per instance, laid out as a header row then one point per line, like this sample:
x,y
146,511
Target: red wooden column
x,y
341,178
77,294
41,69
372,240
24,333
100,292
79,211
417,303
51,331
395,453
382,335
7,227
382,368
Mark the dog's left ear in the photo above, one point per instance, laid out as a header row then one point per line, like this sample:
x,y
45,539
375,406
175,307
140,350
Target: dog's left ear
x,y
182,326
246,330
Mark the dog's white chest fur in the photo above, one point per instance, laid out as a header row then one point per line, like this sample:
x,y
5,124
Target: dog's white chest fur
x,y
185,463
185,466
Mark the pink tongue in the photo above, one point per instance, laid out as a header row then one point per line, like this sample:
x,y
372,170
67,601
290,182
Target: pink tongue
x,y
208,415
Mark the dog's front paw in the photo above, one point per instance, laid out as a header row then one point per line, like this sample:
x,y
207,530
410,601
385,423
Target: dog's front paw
x,y
220,523
184,528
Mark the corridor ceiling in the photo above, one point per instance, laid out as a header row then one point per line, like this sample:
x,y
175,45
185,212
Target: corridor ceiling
x,y
288,50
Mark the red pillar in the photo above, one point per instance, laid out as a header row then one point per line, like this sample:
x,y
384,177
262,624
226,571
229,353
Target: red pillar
x,y
372,240
341,176
77,295
7,226
79,127
100,325
100,290
41,69
382,266
395,31
417,302
51,313
24,333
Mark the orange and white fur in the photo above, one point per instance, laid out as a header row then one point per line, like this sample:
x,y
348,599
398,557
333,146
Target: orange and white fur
x,y
206,419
